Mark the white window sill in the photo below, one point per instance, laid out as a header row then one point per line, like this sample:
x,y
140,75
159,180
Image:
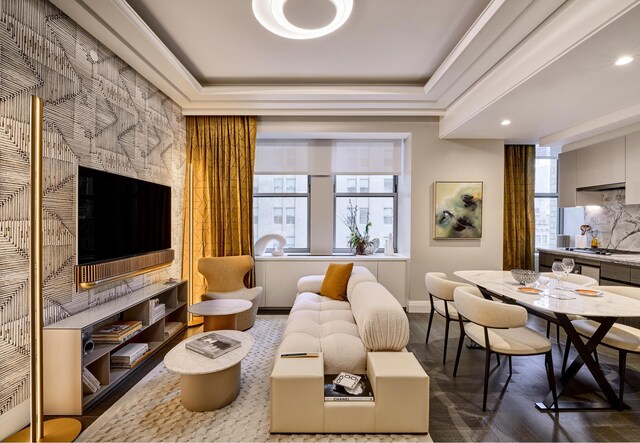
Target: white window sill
x,y
335,257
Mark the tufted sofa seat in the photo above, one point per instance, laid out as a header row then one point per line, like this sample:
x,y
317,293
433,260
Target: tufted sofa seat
x,y
366,334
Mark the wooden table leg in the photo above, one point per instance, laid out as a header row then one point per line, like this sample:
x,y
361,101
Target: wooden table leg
x,y
219,322
585,357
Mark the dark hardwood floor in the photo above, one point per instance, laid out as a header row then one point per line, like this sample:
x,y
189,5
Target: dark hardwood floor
x,y
456,403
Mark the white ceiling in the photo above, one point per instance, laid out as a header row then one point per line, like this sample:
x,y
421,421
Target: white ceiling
x,y
547,65
384,41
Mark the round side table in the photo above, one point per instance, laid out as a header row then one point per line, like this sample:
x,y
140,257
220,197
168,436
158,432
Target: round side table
x,y
220,314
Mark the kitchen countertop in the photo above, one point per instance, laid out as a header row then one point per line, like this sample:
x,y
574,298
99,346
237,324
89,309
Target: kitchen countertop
x,y
625,259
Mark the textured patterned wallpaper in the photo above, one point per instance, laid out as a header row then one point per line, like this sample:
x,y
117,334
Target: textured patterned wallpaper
x,y
98,112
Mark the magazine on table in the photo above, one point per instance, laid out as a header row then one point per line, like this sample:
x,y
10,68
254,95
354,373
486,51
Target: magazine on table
x,y
213,345
333,391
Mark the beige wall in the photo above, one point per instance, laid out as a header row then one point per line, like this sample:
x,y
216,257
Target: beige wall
x,y
432,160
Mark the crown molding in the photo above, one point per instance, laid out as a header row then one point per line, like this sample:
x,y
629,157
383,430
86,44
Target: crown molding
x,y
569,26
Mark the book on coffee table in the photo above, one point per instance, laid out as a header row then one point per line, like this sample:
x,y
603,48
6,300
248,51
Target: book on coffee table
x,y
335,392
213,345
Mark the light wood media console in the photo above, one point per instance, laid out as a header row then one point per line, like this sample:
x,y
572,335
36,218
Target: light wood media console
x,y
63,347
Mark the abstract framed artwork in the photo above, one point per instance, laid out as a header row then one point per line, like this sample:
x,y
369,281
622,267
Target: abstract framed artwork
x,y
458,210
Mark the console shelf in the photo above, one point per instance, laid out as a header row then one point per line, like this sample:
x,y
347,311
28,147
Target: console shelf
x,y
63,355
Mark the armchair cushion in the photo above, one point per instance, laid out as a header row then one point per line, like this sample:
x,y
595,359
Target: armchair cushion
x,y
335,281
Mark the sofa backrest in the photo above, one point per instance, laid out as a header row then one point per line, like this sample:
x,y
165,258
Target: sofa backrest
x,y
359,274
382,323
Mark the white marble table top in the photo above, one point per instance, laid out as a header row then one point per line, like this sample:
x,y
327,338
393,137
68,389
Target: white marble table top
x,y
607,305
184,361
220,307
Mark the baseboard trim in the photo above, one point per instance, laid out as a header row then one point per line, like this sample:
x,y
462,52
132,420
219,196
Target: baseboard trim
x,y
419,306
17,418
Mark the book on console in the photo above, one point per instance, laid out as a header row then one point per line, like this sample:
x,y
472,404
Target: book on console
x,y
213,345
334,392
116,332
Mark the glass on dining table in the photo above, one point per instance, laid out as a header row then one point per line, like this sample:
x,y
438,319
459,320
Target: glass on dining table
x,y
558,270
568,264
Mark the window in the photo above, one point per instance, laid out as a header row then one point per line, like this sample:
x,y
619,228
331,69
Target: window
x,y
291,216
547,214
375,196
281,206
277,216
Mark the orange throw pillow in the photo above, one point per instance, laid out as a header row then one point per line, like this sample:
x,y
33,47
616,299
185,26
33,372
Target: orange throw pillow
x,y
335,281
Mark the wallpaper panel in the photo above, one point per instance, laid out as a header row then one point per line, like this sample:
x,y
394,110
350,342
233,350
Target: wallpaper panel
x,y
99,113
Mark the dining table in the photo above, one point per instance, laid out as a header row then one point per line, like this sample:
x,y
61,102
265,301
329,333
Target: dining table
x,y
559,301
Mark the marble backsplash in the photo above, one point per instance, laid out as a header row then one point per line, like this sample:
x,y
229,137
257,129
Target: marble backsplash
x,y
617,225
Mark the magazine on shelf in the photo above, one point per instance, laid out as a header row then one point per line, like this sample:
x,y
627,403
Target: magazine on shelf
x,y
335,392
128,355
90,383
116,332
213,345
171,327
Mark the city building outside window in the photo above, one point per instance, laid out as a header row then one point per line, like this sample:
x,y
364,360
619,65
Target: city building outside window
x,y
376,198
281,206
547,214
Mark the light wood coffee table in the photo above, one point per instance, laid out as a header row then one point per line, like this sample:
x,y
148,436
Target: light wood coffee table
x,y
208,383
220,314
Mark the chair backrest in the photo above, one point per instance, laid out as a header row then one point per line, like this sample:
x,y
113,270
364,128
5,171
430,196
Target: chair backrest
x,y
489,313
440,286
225,274
627,291
577,279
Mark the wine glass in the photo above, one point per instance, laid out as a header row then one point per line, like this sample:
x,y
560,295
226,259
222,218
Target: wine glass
x,y
568,265
558,270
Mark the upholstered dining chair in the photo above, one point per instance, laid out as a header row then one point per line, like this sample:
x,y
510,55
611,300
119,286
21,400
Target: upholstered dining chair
x,y
225,280
578,279
440,290
499,328
622,338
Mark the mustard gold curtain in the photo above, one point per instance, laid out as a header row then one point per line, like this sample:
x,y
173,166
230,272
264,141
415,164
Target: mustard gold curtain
x,y
519,211
222,151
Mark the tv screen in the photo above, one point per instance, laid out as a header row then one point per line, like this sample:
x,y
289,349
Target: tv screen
x,y
120,217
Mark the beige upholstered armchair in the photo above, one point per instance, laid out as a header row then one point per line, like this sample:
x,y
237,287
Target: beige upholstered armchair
x,y
225,279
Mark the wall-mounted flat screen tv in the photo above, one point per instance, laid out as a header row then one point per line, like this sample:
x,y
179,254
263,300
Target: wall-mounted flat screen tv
x,y
120,216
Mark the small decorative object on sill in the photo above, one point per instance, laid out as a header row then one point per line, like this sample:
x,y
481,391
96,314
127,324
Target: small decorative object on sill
x,y
359,242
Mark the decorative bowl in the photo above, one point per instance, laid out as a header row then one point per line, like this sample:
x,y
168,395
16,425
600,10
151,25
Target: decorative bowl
x,y
525,276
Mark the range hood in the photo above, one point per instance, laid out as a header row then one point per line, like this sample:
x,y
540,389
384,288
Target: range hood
x,y
607,187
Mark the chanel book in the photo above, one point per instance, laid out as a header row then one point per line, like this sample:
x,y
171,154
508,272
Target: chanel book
x,y
335,392
213,345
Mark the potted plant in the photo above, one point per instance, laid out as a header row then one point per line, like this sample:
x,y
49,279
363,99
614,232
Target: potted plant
x,y
359,242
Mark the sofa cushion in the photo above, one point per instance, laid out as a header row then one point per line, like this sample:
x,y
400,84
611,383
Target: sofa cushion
x,y
382,323
358,275
310,283
335,280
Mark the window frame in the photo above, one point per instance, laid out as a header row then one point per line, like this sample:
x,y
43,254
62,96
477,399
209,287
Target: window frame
x,y
356,194
283,194
550,195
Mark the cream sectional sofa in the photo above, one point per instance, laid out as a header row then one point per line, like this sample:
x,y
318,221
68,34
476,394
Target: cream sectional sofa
x,y
366,334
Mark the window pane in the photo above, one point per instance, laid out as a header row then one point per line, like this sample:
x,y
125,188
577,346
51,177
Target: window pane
x,y
292,184
287,216
546,210
546,176
380,212
374,184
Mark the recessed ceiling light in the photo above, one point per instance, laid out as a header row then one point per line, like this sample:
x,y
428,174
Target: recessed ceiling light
x,y
270,14
624,60
505,122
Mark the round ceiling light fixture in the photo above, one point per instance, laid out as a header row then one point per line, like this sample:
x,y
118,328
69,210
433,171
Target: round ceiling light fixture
x,y
270,14
624,60
505,122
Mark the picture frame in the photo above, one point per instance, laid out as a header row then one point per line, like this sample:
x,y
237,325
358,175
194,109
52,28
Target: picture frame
x,y
457,210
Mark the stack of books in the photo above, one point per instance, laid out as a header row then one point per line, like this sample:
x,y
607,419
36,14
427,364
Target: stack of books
x,y
156,310
117,332
129,355
213,345
171,327
347,387
90,383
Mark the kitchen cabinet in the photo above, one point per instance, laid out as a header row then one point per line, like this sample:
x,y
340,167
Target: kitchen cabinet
x,y
567,179
632,191
601,164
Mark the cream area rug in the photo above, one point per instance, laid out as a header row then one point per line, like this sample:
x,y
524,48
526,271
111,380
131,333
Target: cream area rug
x,y
151,411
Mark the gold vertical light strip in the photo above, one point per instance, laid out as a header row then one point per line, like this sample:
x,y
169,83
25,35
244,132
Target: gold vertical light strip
x,y
193,320
60,429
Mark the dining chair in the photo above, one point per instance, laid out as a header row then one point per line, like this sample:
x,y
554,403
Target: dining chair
x,y
225,277
440,290
623,338
578,279
499,328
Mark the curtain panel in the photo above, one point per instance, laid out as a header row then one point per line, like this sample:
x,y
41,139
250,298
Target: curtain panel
x,y
222,151
519,206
